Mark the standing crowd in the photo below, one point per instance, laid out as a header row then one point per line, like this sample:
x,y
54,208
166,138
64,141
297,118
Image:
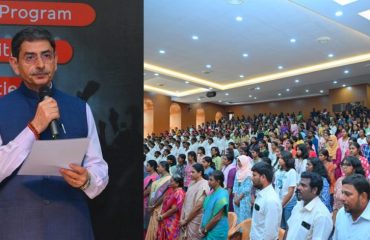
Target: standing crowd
x,y
267,176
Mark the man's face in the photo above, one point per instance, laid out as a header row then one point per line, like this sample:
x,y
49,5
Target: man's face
x,y
256,179
304,191
36,63
351,199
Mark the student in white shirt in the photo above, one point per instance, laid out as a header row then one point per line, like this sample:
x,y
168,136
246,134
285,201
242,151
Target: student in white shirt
x,y
310,217
353,220
285,184
267,210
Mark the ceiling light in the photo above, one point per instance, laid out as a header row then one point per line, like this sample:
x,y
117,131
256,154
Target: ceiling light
x,y
344,2
187,82
156,74
241,76
162,51
235,1
210,88
198,99
280,67
258,88
195,37
344,85
349,88
330,55
279,94
346,71
293,40
219,100
296,81
338,13
335,82
323,40
307,90
245,55
250,96
287,89
239,19
365,14
208,66
255,97
321,91
226,94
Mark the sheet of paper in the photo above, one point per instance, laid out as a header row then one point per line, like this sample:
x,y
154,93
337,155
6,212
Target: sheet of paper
x,y
47,157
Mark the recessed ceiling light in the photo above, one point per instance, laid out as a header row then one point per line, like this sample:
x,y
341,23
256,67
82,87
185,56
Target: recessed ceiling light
x,y
187,82
226,94
330,55
258,88
293,40
198,99
239,18
321,91
365,14
156,74
280,67
287,89
255,97
162,51
250,96
241,76
296,81
338,13
210,88
195,37
346,71
307,90
279,94
245,55
344,85
344,2
208,66
349,88
335,82
219,100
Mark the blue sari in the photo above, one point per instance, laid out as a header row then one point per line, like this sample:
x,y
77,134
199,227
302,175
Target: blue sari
x,y
212,205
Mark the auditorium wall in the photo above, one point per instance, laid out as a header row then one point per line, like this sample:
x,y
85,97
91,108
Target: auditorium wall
x,y
356,93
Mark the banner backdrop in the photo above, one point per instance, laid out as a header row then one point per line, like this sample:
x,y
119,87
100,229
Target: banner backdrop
x,y
100,49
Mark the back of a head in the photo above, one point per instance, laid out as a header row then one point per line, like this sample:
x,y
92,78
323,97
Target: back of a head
x,y
30,34
218,176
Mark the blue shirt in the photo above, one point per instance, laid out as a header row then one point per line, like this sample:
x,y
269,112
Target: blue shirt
x,y
346,228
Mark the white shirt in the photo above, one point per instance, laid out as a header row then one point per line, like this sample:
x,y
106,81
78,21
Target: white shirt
x,y
266,216
300,167
284,180
361,141
312,221
346,228
15,152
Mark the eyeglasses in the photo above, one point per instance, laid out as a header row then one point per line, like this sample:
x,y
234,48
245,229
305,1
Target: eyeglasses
x,y
345,165
32,58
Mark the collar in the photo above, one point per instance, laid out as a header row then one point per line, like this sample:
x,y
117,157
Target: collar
x,y
311,204
32,94
265,191
366,213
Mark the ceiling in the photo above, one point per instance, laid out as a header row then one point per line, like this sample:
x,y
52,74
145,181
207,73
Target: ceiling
x,y
255,51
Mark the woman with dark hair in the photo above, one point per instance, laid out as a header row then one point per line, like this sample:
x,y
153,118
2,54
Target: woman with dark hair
x,y
301,160
329,166
192,212
169,219
180,167
216,158
151,169
214,222
309,146
191,161
201,153
335,154
285,184
229,171
208,166
315,165
350,165
355,151
157,191
171,159
262,144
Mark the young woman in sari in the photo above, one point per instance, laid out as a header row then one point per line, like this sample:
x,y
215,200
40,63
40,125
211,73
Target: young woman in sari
x,y
330,168
335,154
192,212
169,219
191,161
229,171
214,222
157,191
242,188
151,169
355,151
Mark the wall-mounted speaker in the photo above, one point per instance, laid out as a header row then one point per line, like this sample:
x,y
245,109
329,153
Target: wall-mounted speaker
x,y
211,94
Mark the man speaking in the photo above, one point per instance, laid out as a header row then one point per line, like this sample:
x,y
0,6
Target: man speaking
x,y
44,207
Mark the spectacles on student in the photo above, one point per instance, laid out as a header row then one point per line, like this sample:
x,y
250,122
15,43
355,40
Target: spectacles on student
x,y
32,58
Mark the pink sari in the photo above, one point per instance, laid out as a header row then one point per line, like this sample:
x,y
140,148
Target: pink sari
x,y
147,182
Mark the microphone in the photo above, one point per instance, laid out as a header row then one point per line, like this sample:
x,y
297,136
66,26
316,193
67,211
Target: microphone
x,y
45,93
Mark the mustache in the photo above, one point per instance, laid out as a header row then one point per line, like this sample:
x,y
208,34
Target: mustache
x,y
40,73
